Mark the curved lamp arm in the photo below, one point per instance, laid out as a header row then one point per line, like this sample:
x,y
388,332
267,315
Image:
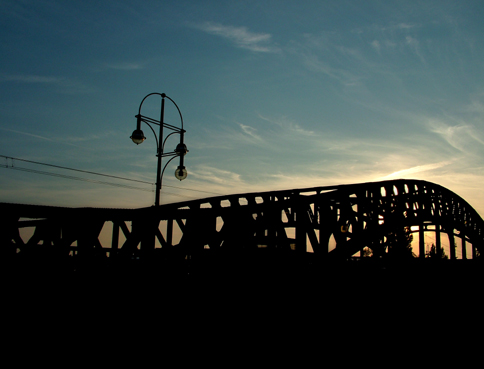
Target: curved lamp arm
x,y
144,98
163,95
168,162
177,108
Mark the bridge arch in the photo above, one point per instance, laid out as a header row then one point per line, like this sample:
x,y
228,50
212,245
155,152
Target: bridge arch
x,y
334,222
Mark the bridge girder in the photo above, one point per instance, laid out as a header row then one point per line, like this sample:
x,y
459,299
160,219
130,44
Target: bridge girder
x,y
334,222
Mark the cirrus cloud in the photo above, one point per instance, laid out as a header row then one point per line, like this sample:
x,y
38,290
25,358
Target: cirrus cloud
x,y
240,36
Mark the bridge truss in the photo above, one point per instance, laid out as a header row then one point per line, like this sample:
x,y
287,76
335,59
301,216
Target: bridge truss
x,y
334,223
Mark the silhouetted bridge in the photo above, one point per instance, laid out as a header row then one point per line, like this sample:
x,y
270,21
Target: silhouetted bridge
x,y
334,223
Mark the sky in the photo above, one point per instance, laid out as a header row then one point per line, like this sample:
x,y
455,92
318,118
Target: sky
x,y
274,95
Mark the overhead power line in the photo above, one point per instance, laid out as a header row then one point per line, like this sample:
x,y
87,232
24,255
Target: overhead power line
x,y
67,168
76,178
87,172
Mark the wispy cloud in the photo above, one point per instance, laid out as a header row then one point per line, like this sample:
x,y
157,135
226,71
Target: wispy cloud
x,y
458,136
329,55
414,44
316,64
250,131
287,124
476,105
405,26
417,169
26,134
126,66
387,27
88,137
64,140
217,176
64,85
32,79
241,37
379,45
376,45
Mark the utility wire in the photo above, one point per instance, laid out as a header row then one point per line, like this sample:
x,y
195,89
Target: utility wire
x,y
76,170
77,178
89,172
91,180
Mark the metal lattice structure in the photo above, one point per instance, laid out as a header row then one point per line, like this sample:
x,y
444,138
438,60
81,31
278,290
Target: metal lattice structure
x,y
334,223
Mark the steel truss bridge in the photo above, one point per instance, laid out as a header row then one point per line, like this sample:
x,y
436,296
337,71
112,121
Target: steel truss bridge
x,y
332,223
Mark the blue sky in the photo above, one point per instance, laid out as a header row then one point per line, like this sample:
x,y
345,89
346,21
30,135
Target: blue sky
x,y
274,95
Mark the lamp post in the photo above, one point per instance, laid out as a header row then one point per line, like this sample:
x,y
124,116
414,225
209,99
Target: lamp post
x,y
180,151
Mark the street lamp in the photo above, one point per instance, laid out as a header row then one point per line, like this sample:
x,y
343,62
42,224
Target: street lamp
x,y
180,151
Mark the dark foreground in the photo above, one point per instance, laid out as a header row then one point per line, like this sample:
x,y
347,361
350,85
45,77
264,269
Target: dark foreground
x,y
245,309
252,276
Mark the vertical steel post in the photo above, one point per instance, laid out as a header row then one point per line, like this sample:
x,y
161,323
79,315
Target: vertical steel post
x,y
115,240
421,241
452,245
438,244
160,152
464,251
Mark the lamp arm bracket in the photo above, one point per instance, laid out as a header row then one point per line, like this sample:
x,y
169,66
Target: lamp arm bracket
x,y
163,146
152,130
149,120
163,171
